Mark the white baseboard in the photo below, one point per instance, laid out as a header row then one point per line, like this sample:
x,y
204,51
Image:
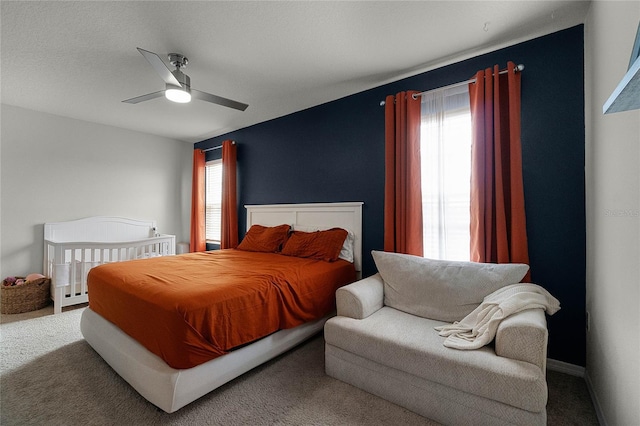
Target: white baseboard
x,y
565,367
576,370
594,400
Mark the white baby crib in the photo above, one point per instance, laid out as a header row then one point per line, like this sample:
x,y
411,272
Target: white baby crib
x,y
72,248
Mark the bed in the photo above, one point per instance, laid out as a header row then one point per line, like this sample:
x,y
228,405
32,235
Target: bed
x,y
171,381
72,248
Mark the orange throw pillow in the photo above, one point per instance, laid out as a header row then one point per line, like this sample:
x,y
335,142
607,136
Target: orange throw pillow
x,y
321,245
268,239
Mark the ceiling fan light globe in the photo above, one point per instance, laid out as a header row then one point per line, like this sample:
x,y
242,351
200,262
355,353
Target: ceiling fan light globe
x,y
178,95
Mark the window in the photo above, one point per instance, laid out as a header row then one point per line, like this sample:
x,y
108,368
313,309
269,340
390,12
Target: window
x,y
213,201
445,145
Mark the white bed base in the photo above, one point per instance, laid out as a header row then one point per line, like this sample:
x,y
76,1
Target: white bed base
x,y
72,248
171,389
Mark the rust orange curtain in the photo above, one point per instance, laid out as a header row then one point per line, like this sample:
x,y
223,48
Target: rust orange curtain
x,y
229,219
402,192
498,225
198,235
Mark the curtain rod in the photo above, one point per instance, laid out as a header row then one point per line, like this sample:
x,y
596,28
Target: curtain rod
x,y
216,147
518,68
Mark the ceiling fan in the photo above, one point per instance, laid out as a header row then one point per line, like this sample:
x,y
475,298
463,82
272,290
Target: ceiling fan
x,y
178,84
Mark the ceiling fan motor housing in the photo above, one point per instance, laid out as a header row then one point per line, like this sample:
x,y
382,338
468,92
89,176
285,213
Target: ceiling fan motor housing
x,y
184,79
180,61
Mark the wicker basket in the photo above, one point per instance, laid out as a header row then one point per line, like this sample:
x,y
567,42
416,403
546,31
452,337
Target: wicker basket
x,y
27,297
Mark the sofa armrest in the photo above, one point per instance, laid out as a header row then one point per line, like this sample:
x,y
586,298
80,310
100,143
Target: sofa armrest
x,y
360,299
523,336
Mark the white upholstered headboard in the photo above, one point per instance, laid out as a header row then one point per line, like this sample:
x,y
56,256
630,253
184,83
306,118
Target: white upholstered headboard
x,y
320,215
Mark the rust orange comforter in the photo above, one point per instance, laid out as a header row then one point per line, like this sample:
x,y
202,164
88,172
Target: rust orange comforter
x,y
191,308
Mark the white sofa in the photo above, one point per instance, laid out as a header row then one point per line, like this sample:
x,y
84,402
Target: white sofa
x,y
400,357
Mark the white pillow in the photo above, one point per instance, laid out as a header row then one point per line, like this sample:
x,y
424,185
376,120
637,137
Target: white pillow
x,y
346,252
442,290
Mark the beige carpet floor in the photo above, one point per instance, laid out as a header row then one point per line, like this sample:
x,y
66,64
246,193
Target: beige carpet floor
x,y
50,376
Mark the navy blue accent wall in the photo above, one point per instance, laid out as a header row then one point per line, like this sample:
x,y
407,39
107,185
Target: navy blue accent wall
x,y
335,152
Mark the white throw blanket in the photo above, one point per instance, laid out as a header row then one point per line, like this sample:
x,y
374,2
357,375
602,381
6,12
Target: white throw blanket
x,y
480,326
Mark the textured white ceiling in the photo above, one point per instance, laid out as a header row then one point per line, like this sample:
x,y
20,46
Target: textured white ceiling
x,y
79,59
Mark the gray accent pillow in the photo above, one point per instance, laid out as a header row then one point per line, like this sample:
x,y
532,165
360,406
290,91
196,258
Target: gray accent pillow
x,y
442,290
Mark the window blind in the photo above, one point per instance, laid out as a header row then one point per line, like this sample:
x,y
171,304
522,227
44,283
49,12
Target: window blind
x,y
445,145
213,201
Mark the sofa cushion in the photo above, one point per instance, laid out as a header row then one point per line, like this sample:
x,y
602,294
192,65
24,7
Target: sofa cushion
x,y
410,344
442,290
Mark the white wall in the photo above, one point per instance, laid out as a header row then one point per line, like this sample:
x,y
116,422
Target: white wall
x,y
613,218
57,169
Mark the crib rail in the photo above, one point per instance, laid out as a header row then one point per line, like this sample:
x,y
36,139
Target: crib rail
x,y
68,263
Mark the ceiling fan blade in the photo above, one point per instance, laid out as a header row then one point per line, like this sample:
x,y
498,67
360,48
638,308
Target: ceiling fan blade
x,y
204,96
163,71
144,97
